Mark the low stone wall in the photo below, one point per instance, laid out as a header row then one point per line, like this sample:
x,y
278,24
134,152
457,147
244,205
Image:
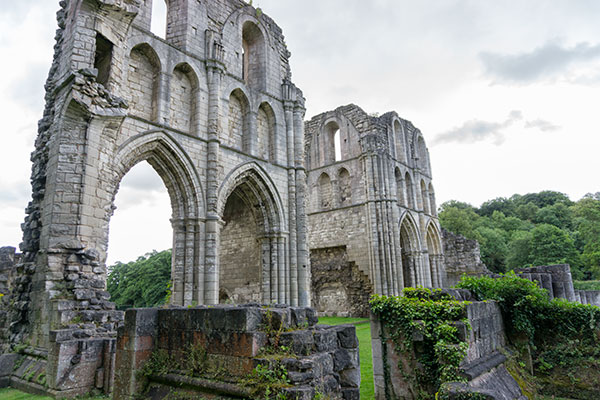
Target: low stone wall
x,y
483,365
462,256
236,339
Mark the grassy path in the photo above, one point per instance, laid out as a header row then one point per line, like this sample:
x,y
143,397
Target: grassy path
x,y
363,332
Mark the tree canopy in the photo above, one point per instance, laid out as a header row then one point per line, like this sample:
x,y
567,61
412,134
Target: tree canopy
x,y
141,283
532,229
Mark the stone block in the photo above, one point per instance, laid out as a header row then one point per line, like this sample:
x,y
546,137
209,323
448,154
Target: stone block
x,y
300,342
326,340
347,336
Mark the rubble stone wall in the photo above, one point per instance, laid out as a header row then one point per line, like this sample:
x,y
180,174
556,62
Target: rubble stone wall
x,y
318,358
339,288
462,256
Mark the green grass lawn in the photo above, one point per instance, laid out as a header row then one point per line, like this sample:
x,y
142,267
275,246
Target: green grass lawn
x,y
14,394
363,332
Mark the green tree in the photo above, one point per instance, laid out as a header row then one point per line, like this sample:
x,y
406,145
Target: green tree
x,y
459,218
519,249
140,283
552,245
493,248
502,204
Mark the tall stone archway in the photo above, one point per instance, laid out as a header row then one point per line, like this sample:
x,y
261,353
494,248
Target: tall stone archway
x,y
410,252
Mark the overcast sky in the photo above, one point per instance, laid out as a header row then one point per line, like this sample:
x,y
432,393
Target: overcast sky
x,y
506,93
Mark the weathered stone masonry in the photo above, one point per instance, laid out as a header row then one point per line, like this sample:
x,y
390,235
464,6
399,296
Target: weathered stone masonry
x,y
374,201
212,108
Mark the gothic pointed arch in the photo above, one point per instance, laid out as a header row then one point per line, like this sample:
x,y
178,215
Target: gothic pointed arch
x,y
143,82
344,187
237,134
181,179
410,191
265,128
432,202
435,254
325,192
182,104
409,247
252,263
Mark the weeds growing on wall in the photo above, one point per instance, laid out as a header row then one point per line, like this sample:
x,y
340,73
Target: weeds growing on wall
x,y
563,338
433,315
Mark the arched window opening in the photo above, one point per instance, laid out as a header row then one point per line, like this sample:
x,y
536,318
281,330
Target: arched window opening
x,y
265,126
144,68
325,192
400,188
158,26
345,186
238,121
183,91
103,58
432,203
400,142
424,198
139,228
332,143
253,56
410,194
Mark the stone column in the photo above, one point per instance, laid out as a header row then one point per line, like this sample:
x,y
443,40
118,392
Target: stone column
x,y
215,69
292,204
304,277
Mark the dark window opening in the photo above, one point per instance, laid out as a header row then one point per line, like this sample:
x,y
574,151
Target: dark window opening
x,y
103,58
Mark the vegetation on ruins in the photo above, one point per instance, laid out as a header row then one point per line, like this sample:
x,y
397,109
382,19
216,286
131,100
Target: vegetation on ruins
x,y
432,314
141,283
558,342
533,229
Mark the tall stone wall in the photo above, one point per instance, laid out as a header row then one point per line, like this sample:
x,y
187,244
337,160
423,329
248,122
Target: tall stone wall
x,y
117,95
462,256
371,192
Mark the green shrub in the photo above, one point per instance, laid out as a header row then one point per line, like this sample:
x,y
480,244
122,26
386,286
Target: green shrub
x,y
432,314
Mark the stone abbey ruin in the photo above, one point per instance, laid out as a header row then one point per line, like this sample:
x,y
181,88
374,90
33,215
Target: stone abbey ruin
x,y
269,212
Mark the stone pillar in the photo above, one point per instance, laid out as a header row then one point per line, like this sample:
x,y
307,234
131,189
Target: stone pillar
x,y
292,204
215,72
304,279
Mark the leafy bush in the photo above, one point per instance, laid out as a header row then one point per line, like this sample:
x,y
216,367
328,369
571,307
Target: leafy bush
x,y
432,314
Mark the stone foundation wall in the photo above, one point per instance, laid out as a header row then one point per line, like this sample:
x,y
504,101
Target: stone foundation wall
x,y
462,257
236,339
339,288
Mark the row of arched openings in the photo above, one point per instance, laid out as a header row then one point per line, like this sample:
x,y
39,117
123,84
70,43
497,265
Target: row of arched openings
x,y
336,193
253,47
406,194
144,81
